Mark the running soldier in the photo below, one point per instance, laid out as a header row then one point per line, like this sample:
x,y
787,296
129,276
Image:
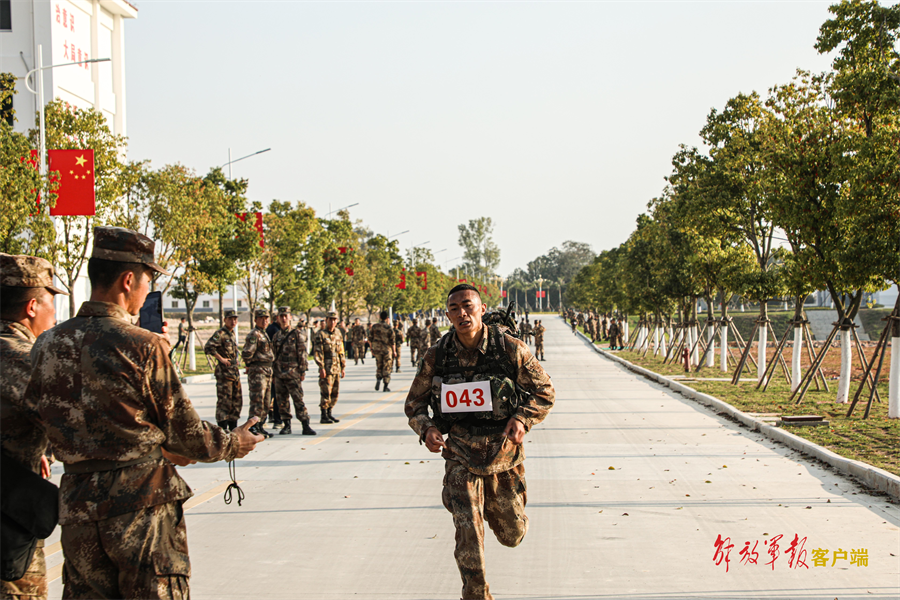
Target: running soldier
x,y
358,342
483,453
381,338
291,362
118,418
328,350
613,335
539,330
258,355
412,340
26,311
398,343
229,398
434,333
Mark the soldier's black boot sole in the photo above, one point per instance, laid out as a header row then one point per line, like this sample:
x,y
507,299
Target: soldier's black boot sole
x,y
324,420
377,385
331,416
286,430
307,430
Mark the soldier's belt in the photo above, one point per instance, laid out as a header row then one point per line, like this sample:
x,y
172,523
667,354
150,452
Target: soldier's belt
x,y
93,466
260,364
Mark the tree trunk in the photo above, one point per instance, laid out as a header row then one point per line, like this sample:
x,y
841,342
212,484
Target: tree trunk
x,y
190,302
710,331
894,381
221,310
796,371
846,314
763,339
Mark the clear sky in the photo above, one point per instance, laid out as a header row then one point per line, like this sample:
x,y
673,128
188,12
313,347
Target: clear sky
x,y
556,119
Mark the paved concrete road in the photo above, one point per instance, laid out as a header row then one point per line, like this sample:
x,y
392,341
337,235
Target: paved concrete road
x,y
355,512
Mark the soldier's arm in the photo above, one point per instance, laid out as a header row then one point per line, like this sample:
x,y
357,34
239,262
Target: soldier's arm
x,y
302,356
343,356
173,413
534,380
419,397
318,354
249,346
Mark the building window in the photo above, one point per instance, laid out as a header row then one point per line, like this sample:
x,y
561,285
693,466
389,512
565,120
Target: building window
x,y
240,303
5,15
174,304
206,304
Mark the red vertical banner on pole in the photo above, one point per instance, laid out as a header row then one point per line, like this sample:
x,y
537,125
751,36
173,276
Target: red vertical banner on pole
x,y
402,284
74,182
257,225
424,276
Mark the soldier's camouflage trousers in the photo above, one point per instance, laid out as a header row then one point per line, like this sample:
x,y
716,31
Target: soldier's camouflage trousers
x,y
539,349
259,380
359,350
383,365
397,356
329,388
33,584
473,499
229,399
140,554
285,389
414,354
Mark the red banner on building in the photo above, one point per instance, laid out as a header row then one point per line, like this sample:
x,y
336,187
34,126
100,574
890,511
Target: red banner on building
x,y
258,225
75,182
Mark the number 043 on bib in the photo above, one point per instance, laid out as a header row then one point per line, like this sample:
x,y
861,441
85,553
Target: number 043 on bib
x,y
474,396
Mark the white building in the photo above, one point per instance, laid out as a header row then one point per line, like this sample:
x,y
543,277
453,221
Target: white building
x,y
67,31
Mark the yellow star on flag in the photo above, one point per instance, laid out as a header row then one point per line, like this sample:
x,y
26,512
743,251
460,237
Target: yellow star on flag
x,y
80,160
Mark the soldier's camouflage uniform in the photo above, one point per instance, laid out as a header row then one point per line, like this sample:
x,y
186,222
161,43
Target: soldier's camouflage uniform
x,y
328,350
484,475
539,341
258,355
434,335
412,339
229,397
398,343
381,338
21,438
109,398
291,363
358,342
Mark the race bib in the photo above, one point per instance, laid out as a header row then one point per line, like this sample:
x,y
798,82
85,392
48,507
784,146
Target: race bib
x,y
474,396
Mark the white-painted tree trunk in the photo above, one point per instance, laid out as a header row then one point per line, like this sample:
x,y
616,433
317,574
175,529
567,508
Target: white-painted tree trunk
x,y
723,351
192,353
695,337
761,350
625,329
662,343
843,392
796,375
711,340
655,339
894,384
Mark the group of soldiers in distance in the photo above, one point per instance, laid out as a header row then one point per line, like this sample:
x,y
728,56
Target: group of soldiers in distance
x,y
599,327
276,358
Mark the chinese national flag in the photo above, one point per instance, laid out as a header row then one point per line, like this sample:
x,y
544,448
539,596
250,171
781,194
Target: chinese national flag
x,y
75,185
257,225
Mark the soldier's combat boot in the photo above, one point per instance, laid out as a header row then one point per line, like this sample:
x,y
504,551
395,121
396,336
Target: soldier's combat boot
x,y
325,420
363,360
307,430
232,425
378,384
331,416
261,431
223,424
286,428
386,388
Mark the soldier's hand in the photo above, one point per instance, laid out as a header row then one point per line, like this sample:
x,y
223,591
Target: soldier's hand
x,y
434,441
246,439
177,459
515,431
225,362
45,467
302,376
322,373
342,374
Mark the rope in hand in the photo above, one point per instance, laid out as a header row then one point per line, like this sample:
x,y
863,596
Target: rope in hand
x,y
232,472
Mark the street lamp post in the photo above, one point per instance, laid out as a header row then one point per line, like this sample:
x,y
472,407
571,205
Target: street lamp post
x,y
42,136
339,209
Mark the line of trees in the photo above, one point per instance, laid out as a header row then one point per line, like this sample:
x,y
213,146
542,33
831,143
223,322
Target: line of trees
x,y
795,191
305,261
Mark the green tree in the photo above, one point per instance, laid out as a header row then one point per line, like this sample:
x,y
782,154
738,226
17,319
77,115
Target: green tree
x,y
480,251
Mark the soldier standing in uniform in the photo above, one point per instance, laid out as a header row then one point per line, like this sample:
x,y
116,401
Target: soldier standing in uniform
x,y
291,363
539,330
412,340
223,347
328,350
484,471
398,343
381,338
258,355
26,311
358,342
113,408
434,333
613,334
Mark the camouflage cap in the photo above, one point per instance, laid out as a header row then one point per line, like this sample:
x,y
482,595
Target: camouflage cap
x,y
284,310
331,315
260,312
28,272
124,245
231,313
